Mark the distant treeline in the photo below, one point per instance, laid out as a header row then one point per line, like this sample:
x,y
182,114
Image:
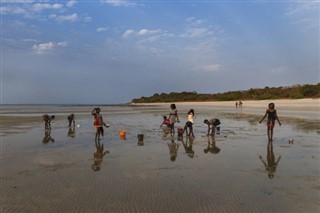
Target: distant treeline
x,y
292,92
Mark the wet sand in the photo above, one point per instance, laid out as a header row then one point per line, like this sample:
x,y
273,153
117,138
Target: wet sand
x,y
39,174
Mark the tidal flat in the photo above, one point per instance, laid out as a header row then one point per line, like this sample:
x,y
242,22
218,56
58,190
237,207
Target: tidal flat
x,y
236,171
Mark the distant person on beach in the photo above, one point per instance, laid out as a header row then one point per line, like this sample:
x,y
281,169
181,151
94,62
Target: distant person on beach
x,y
71,119
236,104
271,164
98,122
165,121
47,120
173,150
272,117
189,124
240,104
173,117
212,125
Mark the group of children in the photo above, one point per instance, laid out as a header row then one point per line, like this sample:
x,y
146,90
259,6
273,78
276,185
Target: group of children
x,y
212,124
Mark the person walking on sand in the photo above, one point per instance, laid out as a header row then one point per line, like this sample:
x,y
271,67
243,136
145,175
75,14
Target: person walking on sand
x,y
189,124
212,125
71,119
98,122
272,117
173,117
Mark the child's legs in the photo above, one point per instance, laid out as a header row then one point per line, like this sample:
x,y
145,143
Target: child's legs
x,y
213,130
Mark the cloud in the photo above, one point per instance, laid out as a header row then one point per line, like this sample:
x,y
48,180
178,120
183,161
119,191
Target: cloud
x,y
45,47
120,3
12,10
65,18
102,29
71,3
38,7
196,32
211,68
128,33
305,14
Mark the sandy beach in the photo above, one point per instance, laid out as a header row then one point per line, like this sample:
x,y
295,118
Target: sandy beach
x,y
236,171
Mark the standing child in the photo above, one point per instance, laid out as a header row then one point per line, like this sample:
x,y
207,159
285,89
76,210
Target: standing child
x,y
173,117
272,117
189,123
98,122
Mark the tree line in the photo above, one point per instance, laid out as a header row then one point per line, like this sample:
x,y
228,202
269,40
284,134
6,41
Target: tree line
x,y
291,92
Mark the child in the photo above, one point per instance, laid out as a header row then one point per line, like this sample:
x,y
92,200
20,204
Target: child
x,y
173,117
272,116
212,125
189,123
71,119
47,121
165,122
98,122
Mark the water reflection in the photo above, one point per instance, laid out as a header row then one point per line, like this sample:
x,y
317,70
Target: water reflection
x,y
212,148
72,132
47,136
271,163
173,150
188,146
98,156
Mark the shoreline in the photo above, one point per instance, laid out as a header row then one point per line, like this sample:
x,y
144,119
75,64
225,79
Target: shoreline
x,y
307,104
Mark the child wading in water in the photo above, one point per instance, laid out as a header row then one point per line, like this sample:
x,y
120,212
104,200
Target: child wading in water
x,y
98,122
189,123
173,117
272,117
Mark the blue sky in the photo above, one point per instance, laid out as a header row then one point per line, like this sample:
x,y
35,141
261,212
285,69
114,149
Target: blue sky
x,y
107,52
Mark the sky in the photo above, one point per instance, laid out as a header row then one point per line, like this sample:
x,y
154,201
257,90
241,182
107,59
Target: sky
x,y
112,51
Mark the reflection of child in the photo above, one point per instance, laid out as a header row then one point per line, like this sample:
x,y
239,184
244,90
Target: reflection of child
x,y
272,164
212,148
173,149
98,156
272,116
212,125
98,122
165,122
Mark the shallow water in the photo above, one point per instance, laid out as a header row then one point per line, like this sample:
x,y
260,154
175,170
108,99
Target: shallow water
x,y
56,173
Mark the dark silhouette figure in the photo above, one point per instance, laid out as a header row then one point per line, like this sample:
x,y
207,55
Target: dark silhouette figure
x,y
47,120
212,148
272,163
71,119
98,156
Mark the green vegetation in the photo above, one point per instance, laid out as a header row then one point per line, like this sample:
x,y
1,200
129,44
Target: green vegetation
x,y
293,92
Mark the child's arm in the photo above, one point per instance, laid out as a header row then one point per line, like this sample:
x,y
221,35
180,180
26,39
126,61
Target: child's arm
x,y
265,115
93,111
278,160
208,129
177,117
265,164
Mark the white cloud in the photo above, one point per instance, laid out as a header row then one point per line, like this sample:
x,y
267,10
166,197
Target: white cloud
x,y
143,32
128,33
71,3
305,14
45,47
102,29
64,18
196,32
38,7
119,3
87,19
12,10
211,68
